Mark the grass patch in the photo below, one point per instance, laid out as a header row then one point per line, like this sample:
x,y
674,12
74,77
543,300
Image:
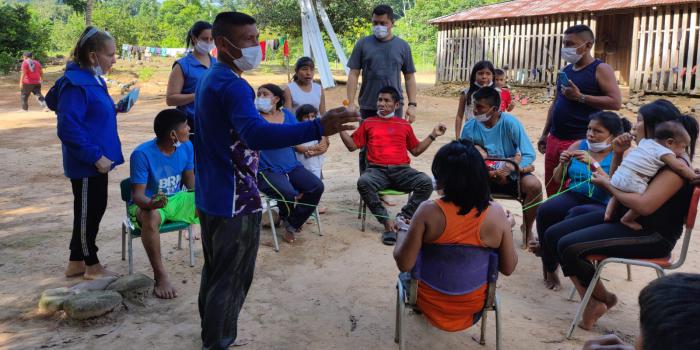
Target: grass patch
x,y
145,73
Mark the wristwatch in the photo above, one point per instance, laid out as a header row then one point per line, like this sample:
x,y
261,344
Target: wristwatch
x,y
432,137
413,104
582,98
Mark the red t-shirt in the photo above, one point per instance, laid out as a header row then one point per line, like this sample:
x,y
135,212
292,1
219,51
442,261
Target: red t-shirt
x,y
506,99
29,76
387,140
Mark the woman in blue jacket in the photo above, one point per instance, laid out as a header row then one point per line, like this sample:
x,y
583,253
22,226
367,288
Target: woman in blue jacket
x,y
87,127
187,70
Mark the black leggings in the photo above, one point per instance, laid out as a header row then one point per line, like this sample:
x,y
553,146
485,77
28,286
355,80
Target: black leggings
x,y
555,210
587,234
89,204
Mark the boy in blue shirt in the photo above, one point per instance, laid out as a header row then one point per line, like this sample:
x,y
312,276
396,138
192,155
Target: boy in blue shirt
x,y
159,169
503,136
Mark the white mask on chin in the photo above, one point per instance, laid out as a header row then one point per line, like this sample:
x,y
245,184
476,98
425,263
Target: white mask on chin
x,y
598,146
387,116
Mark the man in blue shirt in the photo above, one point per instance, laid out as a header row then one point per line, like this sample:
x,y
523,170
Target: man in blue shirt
x,y
159,168
501,135
229,131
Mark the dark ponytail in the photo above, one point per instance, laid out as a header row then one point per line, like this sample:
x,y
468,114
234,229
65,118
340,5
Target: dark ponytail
x,y
691,126
197,28
91,40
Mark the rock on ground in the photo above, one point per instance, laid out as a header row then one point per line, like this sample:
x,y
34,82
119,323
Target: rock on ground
x,y
91,304
52,300
96,284
136,287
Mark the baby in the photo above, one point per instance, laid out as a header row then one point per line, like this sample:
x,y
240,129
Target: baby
x,y
310,154
642,163
503,167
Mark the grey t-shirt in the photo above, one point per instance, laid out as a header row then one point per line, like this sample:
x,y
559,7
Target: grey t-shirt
x,y
382,63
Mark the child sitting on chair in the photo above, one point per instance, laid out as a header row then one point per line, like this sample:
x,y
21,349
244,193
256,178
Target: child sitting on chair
x,y
642,163
159,169
311,154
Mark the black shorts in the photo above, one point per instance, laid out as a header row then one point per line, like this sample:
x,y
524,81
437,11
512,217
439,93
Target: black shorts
x,y
510,188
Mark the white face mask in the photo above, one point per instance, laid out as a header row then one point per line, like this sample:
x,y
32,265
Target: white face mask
x,y
380,32
482,118
250,57
204,47
388,116
598,146
263,104
97,69
479,85
569,54
177,142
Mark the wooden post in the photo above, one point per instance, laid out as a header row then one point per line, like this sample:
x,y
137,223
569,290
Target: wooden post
x,y
691,45
635,51
656,65
675,28
682,52
665,68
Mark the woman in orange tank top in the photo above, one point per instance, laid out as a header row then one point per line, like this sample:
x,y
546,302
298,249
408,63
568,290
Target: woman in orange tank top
x,y
464,215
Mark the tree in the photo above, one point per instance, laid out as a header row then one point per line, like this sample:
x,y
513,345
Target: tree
x,y
21,31
88,12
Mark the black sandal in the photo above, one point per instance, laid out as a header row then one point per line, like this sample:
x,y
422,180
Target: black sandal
x,y
389,238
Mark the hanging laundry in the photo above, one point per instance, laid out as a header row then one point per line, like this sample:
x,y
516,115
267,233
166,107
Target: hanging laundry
x,y
285,44
276,44
262,47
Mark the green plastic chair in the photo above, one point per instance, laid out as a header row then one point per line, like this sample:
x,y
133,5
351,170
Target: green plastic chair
x,y
133,232
269,203
363,205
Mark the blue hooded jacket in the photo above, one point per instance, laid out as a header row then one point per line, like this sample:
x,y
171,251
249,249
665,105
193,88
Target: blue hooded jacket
x,y
87,121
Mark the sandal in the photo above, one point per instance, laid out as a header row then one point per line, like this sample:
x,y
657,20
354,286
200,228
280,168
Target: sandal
x,y
389,238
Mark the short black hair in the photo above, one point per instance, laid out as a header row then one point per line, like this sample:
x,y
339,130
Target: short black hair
x,y
277,91
669,313
305,110
28,54
301,63
691,126
225,20
581,30
461,173
490,95
384,10
168,120
612,122
669,130
498,72
392,91
655,113
197,28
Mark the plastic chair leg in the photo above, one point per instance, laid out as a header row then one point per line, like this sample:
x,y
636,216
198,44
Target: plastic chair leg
x,y
398,315
123,242
482,338
573,292
179,240
497,305
272,226
659,272
629,272
318,221
131,253
191,244
359,210
363,213
584,301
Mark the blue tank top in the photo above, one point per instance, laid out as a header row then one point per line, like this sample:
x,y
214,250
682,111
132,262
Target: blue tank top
x,y
280,160
578,173
570,118
192,70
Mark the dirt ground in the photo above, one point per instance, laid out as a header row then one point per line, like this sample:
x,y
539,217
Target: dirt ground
x,y
335,291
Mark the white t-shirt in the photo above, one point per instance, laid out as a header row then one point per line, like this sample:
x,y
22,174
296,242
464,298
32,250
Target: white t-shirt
x,y
313,164
301,97
640,165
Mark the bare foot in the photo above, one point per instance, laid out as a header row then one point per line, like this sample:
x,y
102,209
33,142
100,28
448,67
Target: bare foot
x,y
240,342
164,289
322,210
631,224
387,201
98,271
288,236
533,246
594,310
551,281
75,268
187,235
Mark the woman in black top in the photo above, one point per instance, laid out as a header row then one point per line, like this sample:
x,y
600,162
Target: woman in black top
x,y
662,207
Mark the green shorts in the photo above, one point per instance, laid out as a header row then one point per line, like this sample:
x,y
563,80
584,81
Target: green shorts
x,y
180,207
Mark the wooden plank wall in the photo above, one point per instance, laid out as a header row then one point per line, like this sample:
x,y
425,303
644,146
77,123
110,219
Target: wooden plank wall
x,y
665,48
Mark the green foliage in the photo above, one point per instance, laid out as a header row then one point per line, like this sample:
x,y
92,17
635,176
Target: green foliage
x,y
21,31
145,73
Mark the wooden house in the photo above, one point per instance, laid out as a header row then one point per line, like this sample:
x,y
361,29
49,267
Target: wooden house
x,y
653,45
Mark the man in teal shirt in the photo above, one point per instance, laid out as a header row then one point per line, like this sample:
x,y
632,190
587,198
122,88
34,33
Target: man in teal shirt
x,y
501,135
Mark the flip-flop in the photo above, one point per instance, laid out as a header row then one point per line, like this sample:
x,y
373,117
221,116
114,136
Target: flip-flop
x,y
389,238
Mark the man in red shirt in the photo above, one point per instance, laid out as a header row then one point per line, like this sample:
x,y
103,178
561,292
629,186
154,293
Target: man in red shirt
x,y
30,81
387,139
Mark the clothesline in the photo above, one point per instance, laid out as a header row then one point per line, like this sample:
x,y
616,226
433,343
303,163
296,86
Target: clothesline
x,y
133,50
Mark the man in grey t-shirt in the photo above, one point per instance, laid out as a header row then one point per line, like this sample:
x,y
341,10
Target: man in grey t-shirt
x,y
382,58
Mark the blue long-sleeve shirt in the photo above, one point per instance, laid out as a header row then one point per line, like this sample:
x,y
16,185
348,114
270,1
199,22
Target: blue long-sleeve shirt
x,y
229,131
504,140
86,122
